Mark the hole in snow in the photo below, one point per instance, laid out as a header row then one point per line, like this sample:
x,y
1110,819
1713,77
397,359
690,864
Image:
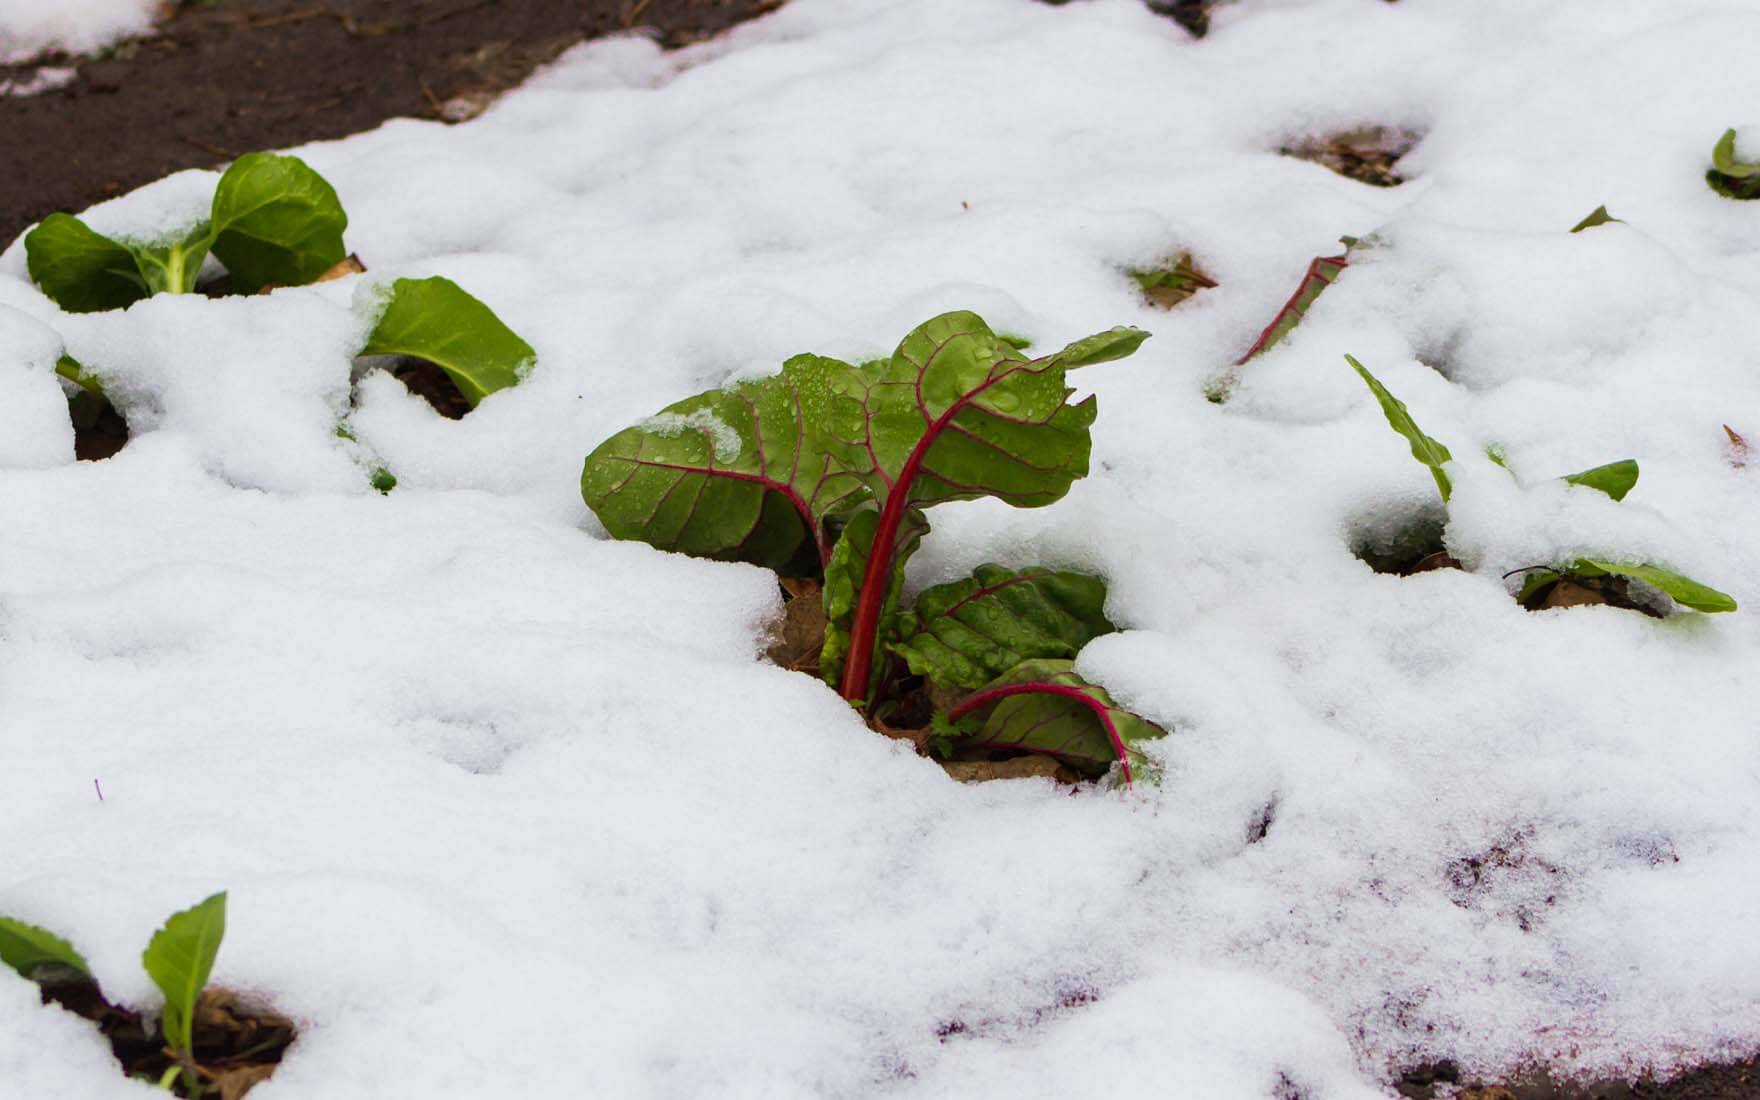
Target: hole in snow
x,y
237,1044
1402,547
1367,154
99,430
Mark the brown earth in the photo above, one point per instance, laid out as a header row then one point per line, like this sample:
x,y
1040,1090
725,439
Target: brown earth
x,y
225,77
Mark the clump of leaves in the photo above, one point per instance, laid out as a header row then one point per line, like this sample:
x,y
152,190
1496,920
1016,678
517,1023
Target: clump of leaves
x,y
830,468
206,1043
1169,284
1603,580
1729,176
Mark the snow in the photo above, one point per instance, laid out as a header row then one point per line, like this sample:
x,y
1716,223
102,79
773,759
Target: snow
x,y
505,807
31,27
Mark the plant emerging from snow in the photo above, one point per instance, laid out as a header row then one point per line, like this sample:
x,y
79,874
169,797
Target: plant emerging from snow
x,y
835,470
1730,175
1616,479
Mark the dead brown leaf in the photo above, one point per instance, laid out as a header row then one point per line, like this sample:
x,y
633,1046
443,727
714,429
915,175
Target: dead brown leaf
x,y
1367,154
797,639
1738,447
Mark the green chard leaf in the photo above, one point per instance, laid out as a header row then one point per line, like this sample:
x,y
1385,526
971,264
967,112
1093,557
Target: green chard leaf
x,y
1424,449
968,633
736,473
435,320
843,582
179,959
956,414
276,222
34,951
1615,479
81,270
1042,706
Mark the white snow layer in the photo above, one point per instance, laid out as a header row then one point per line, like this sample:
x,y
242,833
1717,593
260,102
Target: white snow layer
x,y
506,808
29,27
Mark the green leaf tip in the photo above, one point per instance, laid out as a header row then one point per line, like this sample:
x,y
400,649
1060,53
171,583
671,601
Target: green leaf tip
x,y
34,951
435,320
1595,217
180,957
1615,478
1425,449
1681,589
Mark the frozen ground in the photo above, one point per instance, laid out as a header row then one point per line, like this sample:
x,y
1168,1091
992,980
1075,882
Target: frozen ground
x,y
29,27
509,809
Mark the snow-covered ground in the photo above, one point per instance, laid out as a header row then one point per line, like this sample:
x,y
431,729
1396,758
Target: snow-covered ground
x,y
28,27
506,808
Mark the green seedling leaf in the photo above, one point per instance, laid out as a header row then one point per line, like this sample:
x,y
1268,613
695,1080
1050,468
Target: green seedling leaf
x,y
1424,449
1499,457
1536,581
1615,479
1598,216
1172,283
179,959
435,320
1730,177
844,575
276,222
1043,706
34,951
1681,589
81,270
970,632
1723,158
956,414
737,474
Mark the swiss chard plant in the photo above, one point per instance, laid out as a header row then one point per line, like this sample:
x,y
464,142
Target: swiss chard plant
x,y
179,959
1729,175
1591,575
830,469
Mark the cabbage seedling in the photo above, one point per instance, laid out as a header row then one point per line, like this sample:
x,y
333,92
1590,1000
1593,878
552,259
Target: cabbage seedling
x,y
1730,176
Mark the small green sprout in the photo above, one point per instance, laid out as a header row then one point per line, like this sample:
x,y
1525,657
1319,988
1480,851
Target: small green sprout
x,y
1728,176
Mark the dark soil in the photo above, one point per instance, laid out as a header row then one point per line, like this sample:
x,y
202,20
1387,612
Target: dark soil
x,y
225,77
1732,1081
236,1046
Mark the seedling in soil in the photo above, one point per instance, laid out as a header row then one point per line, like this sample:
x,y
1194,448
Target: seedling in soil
x,y
273,222
1170,284
1729,176
828,470
1579,581
206,1043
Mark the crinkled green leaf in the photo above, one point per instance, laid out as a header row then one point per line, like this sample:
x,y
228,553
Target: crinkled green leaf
x,y
276,222
966,634
1042,706
179,959
1615,479
81,270
736,473
843,580
1595,217
33,951
958,414
1683,590
435,320
1424,449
